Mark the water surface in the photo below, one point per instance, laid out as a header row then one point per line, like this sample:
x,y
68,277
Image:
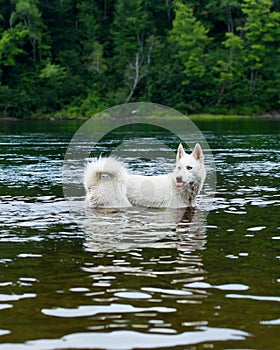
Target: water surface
x,y
136,278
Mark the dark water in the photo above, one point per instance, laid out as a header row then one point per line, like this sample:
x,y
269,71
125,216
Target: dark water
x,y
140,279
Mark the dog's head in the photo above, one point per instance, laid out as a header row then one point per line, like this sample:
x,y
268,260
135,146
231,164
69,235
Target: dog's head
x,y
189,167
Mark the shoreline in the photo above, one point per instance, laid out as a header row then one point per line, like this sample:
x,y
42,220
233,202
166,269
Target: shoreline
x,y
205,117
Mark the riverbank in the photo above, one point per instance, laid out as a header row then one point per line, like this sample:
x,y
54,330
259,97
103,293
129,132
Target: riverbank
x,y
103,115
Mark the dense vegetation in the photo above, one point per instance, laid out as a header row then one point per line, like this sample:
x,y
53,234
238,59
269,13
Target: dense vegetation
x,y
76,57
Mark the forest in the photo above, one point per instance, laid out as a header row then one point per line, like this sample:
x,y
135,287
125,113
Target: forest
x,y
74,58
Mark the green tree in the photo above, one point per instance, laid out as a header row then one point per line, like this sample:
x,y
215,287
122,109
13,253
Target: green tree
x,y
11,45
191,39
90,19
261,35
133,34
251,57
75,57
223,15
230,64
28,13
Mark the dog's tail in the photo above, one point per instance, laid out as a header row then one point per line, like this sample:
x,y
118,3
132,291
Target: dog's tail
x,y
103,169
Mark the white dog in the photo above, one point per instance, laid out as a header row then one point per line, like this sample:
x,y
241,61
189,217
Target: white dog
x,y
108,184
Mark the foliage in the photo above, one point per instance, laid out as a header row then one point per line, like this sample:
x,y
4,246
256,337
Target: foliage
x,y
191,38
74,58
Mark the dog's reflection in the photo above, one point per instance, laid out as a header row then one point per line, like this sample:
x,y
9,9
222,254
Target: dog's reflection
x,y
191,230
122,230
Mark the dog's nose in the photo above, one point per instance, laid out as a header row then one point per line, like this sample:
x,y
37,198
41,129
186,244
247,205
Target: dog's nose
x,y
179,178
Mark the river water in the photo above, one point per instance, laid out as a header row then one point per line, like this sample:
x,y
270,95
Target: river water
x,y
140,279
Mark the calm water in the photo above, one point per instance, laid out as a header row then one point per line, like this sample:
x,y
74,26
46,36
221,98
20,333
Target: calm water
x,y
140,279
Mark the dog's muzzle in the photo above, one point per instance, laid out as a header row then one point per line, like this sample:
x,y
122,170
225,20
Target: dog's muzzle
x,y
179,181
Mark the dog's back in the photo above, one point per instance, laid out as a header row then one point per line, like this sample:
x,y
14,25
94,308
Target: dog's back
x,y
150,191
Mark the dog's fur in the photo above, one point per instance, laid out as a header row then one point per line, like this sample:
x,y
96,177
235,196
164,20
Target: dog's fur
x,y
108,184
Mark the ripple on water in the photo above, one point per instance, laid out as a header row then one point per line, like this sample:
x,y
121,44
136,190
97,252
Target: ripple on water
x,y
91,310
5,306
36,213
4,332
256,228
79,289
29,255
127,340
132,295
16,297
253,297
205,285
150,248
271,322
174,292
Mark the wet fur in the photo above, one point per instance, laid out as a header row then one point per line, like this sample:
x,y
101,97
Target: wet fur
x,y
108,184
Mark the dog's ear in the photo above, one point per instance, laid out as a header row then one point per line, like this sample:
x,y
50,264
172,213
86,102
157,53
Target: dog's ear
x,y
180,152
197,152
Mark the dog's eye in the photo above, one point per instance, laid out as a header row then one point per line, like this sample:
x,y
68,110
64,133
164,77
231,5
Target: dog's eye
x,y
189,167
179,168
